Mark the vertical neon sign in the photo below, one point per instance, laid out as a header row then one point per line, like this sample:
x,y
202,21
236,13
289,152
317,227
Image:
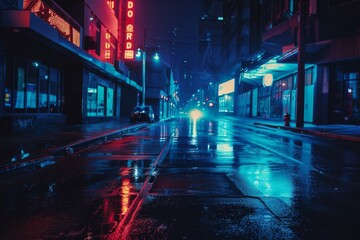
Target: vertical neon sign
x,y
129,31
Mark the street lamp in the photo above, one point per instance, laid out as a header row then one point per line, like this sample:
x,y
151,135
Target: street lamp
x,y
142,53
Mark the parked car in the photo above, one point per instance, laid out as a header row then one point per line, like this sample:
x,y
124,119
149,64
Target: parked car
x,y
142,114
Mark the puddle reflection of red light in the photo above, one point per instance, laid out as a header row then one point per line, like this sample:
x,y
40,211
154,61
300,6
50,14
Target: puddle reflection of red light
x,y
125,195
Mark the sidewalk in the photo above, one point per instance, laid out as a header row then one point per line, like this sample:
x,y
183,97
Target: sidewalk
x,y
28,148
21,149
334,131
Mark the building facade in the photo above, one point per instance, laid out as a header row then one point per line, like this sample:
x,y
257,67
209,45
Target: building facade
x,y
229,34
161,91
330,58
60,62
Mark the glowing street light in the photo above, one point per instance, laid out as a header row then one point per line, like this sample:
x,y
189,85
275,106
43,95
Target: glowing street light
x,y
156,57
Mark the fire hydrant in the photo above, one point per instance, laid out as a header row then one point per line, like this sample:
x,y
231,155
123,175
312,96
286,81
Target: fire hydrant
x,y
287,119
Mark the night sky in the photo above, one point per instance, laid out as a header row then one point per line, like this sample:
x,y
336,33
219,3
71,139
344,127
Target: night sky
x,y
160,18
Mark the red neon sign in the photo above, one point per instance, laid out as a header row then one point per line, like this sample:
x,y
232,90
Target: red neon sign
x,y
129,31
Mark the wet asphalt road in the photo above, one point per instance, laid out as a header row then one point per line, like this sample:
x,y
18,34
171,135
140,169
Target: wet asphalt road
x,y
186,179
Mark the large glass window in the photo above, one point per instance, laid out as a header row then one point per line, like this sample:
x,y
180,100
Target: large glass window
x,y
54,91
226,103
264,102
32,87
43,89
309,76
19,91
100,97
352,101
101,101
8,88
92,96
345,101
110,102
277,99
91,101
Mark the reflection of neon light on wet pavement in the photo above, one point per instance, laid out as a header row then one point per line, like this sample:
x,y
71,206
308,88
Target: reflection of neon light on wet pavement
x,y
270,183
193,131
125,195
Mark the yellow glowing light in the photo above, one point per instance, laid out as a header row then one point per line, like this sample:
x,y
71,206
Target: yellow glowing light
x,y
227,87
196,114
268,80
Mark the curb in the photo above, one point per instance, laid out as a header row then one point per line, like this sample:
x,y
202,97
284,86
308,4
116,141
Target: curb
x,y
22,164
311,132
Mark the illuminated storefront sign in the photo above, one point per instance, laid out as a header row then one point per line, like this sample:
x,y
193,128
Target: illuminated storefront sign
x,y
53,15
129,31
227,87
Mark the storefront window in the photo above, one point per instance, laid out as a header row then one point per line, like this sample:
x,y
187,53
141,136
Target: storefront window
x,y
31,87
275,101
34,88
54,91
352,102
19,91
226,103
264,102
43,89
309,76
101,101
344,97
109,102
281,96
7,98
92,96
91,101
100,97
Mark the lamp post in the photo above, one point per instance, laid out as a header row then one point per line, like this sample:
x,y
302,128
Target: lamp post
x,y
300,82
142,53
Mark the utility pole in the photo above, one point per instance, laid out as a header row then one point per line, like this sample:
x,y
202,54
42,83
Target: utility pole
x,y
143,76
143,69
300,83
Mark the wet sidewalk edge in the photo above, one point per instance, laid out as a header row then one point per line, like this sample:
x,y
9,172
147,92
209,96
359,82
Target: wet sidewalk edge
x,y
44,155
311,132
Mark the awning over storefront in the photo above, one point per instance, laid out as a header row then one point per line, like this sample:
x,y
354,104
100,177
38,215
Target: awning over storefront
x,y
255,76
279,65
